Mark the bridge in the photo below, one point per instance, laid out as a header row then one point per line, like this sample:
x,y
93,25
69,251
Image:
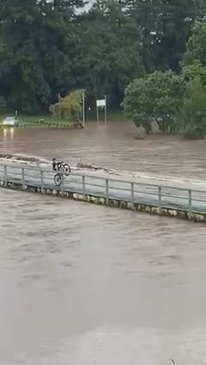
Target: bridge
x,y
188,202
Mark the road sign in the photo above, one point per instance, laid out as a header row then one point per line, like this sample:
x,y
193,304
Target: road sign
x,y
101,103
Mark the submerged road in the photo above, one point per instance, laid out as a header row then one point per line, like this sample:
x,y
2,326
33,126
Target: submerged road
x,y
189,197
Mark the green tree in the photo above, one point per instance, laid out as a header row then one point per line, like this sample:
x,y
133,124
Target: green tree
x,y
109,52
68,107
157,96
196,47
193,113
37,46
195,71
175,23
164,27
51,46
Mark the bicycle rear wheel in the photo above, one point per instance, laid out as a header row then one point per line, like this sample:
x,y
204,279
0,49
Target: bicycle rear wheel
x,y
58,179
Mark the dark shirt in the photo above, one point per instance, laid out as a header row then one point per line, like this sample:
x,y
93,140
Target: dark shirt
x,y
54,165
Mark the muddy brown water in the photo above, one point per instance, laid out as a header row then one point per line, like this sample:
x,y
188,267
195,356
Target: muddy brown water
x,y
83,284
112,146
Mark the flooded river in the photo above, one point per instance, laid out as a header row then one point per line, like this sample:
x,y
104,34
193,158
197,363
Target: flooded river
x,y
112,146
84,284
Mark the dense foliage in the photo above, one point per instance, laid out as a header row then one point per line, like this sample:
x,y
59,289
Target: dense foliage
x,y
175,100
69,107
49,47
193,114
154,97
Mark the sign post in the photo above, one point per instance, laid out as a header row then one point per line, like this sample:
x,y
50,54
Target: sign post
x,y
83,107
102,104
105,109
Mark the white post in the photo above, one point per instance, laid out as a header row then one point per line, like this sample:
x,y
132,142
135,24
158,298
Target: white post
x,y
160,199
42,182
105,109
62,185
97,114
189,204
107,191
23,178
83,107
5,174
83,185
132,193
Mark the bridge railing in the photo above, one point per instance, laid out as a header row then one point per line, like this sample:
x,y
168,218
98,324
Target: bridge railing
x,y
161,196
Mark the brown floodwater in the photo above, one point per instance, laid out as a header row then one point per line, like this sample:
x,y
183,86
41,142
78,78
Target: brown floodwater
x,y
85,284
114,146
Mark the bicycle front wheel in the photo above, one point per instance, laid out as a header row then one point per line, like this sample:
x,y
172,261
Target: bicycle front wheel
x,y
58,179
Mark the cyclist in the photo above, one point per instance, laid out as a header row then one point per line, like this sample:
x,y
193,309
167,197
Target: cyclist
x,y
56,164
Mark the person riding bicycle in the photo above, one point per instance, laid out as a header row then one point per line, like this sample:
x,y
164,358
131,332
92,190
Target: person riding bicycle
x,y
61,170
56,165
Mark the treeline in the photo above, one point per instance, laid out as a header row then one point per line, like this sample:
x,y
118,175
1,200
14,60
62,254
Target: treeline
x,y
50,47
175,101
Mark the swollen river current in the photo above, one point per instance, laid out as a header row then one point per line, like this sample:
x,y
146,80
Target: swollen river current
x,y
84,284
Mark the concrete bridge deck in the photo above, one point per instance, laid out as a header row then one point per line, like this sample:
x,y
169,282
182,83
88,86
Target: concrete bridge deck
x,y
176,200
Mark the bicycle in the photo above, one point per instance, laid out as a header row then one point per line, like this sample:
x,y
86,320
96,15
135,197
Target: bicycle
x,y
64,170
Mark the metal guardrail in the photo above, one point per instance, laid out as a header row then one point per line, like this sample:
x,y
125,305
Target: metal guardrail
x,y
161,196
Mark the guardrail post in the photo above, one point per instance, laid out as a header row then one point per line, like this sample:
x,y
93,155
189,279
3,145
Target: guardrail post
x,y
107,191
5,174
62,185
83,185
42,181
160,199
132,193
189,204
23,177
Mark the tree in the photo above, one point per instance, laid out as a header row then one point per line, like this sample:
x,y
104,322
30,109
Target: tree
x,y
37,46
176,20
108,57
196,46
51,46
164,27
68,107
193,113
194,72
156,96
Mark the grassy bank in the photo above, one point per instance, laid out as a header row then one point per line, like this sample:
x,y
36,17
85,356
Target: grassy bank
x,y
44,121
48,121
